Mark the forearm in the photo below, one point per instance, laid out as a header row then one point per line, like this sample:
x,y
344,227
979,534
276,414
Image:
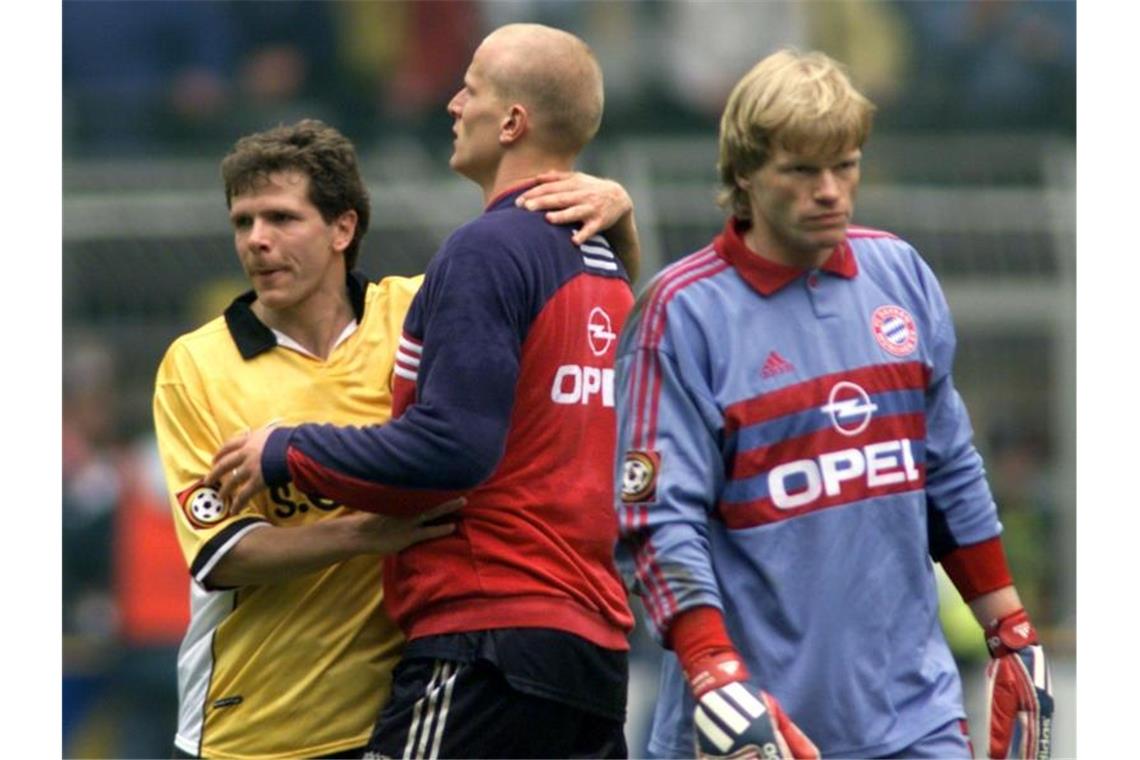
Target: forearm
x,y
698,633
981,575
454,432
626,243
399,469
273,554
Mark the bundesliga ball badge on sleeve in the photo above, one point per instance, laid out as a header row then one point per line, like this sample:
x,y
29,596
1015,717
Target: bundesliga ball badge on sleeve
x,y
639,476
202,505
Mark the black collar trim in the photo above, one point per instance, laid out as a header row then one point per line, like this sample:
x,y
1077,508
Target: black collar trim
x,y
252,337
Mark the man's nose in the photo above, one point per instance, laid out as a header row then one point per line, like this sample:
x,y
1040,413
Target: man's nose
x,y
827,188
258,234
455,105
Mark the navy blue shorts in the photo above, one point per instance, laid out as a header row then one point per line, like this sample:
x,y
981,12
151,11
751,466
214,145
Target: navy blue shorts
x,y
449,708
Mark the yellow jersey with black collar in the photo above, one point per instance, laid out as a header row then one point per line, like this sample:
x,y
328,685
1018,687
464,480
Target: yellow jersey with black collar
x,y
302,667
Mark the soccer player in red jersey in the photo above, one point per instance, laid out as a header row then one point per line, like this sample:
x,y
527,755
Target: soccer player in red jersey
x,y
503,393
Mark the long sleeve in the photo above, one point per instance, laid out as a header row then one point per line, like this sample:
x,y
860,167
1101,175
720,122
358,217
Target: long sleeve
x,y
670,466
960,505
187,436
469,320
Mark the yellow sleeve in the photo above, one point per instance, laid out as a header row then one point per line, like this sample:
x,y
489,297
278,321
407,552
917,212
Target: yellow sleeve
x,y
394,299
188,437
397,294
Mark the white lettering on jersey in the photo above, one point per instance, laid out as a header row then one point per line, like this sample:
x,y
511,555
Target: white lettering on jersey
x,y
574,384
880,464
778,484
838,466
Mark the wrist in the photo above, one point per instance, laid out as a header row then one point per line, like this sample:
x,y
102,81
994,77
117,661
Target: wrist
x,y
715,670
355,535
700,640
978,569
275,457
1010,633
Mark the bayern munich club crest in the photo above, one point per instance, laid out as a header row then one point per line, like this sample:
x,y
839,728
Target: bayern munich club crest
x,y
894,329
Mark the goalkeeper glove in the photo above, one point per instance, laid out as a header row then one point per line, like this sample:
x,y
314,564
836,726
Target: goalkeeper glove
x,y
1019,691
731,721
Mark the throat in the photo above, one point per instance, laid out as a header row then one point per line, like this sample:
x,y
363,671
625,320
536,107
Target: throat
x,y
784,252
313,334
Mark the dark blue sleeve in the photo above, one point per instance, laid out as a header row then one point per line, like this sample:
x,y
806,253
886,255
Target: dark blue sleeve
x,y
473,310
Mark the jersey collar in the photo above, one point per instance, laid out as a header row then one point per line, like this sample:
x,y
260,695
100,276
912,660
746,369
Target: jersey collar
x,y
253,337
512,192
766,277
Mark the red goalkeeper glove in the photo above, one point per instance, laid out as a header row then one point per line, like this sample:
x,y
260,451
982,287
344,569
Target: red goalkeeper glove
x,y
731,721
1019,691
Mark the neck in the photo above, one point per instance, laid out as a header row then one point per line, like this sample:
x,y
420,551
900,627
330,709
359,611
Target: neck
x,y
764,244
315,324
519,166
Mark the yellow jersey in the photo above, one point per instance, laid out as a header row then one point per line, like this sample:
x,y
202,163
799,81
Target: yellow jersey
x,y
302,667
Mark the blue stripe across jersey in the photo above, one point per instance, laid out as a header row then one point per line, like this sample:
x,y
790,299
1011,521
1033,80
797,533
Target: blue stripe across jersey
x,y
784,442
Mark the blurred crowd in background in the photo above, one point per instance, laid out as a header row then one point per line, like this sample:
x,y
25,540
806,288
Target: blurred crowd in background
x,y
167,79
177,76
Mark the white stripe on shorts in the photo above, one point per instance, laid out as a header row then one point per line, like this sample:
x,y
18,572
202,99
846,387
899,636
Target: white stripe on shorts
x,y
431,710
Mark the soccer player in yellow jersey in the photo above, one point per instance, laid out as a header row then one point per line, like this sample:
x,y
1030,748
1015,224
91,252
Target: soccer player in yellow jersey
x,y
289,651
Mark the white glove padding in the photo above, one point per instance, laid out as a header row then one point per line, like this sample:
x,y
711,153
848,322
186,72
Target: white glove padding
x,y
1019,691
730,721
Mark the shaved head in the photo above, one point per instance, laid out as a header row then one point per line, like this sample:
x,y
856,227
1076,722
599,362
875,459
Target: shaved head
x,y
554,75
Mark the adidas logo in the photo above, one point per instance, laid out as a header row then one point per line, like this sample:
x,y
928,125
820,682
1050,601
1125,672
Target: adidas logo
x,y
730,667
775,365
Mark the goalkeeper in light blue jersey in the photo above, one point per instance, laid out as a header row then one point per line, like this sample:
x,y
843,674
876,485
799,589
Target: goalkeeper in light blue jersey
x,y
793,457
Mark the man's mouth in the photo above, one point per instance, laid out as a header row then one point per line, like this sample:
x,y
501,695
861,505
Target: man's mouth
x,y
835,217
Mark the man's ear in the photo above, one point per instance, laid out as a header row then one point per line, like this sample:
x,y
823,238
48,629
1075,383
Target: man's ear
x,y
743,182
514,124
344,228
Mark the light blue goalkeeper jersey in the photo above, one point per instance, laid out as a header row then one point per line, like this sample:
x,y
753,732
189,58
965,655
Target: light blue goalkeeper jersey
x,y
793,452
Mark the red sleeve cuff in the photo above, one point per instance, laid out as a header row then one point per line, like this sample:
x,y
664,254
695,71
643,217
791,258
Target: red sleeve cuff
x,y
978,569
697,633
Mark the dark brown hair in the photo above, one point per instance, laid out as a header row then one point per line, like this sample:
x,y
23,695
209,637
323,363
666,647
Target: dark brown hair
x,y
314,149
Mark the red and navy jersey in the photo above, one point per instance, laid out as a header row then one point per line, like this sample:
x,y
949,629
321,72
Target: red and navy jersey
x,y
503,389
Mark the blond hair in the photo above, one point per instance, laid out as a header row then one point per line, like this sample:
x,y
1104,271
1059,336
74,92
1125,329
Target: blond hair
x,y
554,74
801,102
